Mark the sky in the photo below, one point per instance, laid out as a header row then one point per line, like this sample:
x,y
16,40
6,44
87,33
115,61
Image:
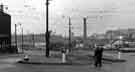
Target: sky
x,y
102,15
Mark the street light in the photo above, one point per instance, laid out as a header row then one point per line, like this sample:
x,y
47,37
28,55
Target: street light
x,y
69,34
84,32
22,41
69,31
16,33
120,40
120,37
119,53
47,29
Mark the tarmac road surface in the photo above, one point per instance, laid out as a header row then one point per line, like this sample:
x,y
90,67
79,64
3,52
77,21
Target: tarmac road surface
x,y
8,64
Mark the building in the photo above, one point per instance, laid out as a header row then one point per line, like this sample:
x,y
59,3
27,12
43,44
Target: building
x,y
5,31
5,28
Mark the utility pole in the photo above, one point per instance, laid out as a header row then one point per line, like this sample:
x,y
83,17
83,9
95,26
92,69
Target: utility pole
x,y
15,36
69,34
33,40
47,29
22,41
111,40
85,32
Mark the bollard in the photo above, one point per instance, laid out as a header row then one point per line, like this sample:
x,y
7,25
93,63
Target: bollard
x,y
119,55
63,57
67,51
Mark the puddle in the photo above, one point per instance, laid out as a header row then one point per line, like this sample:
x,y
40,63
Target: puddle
x,y
10,60
7,66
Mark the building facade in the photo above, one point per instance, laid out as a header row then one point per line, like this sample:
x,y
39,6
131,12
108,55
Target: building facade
x,y
5,31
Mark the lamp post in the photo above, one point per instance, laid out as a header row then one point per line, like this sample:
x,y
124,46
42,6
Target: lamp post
x,y
84,32
33,40
119,53
69,36
47,29
120,39
16,34
22,41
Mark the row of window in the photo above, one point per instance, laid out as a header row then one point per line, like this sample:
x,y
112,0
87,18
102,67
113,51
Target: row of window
x,y
4,43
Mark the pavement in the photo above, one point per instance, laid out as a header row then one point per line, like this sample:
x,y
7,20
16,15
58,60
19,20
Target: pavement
x,y
75,58
107,56
36,59
79,63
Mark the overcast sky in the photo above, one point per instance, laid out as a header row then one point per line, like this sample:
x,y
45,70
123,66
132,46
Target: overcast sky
x,y
31,13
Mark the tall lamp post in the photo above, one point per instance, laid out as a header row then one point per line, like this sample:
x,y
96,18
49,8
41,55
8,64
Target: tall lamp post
x,y
16,34
84,32
22,41
69,36
47,29
119,53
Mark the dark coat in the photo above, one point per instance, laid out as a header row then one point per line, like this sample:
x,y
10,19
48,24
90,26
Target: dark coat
x,y
98,53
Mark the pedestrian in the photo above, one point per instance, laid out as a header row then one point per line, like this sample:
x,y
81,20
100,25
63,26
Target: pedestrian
x,y
98,56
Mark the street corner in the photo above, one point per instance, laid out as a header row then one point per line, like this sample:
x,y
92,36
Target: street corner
x,y
108,58
47,61
9,60
114,59
43,60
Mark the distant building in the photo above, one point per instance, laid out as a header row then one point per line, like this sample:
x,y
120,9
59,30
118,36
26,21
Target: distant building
x,y
98,36
126,33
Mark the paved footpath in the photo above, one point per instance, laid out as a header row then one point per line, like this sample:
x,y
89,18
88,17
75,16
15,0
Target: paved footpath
x,y
108,56
8,64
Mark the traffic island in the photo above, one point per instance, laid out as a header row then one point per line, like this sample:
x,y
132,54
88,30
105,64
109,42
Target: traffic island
x,y
44,63
110,58
114,60
35,59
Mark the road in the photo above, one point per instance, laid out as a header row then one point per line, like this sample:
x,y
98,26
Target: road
x,y
11,66
8,64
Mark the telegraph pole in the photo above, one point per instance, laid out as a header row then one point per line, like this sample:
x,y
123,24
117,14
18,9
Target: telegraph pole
x,y
69,34
85,32
22,41
33,40
15,36
47,29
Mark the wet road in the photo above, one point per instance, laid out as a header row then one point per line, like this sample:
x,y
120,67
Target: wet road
x,y
128,66
8,64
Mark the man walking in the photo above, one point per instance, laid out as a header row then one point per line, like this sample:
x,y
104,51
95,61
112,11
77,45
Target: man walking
x,y
98,56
